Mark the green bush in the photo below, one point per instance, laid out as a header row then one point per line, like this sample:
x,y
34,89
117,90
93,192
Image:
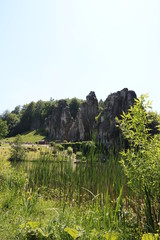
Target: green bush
x,y
141,161
69,151
54,151
79,155
52,144
59,147
17,150
86,147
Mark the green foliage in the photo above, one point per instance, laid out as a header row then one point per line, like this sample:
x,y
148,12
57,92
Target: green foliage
x,y
3,128
17,150
59,147
52,144
29,137
29,200
141,162
150,236
111,236
69,151
101,105
32,230
12,120
98,117
74,105
85,146
79,155
47,109
90,145
32,116
154,123
17,110
72,232
31,213
27,116
54,151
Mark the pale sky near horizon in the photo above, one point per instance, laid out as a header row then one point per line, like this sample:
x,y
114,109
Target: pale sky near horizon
x,y
67,48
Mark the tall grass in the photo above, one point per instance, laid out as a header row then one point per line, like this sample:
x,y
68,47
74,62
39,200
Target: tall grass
x,y
72,179
63,200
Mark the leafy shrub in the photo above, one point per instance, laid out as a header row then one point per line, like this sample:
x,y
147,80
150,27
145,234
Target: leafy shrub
x,y
150,236
141,161
69,151
74,105
17,150
52,144
32,230
59,147
85,146
79,155
54,151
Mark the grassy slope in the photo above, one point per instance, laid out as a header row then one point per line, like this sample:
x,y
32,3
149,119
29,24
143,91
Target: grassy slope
x,y
33,137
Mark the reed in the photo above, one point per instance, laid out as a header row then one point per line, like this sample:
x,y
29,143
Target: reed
x,y
63,200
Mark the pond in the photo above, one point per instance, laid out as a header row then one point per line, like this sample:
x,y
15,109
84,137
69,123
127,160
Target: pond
x,y
80,181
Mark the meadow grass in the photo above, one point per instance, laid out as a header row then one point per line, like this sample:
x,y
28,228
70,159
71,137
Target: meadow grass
x,y
31,137
32,214
50,199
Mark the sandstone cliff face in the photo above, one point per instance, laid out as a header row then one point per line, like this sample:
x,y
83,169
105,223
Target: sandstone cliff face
x,y
84,123
59,123
61,126
114,105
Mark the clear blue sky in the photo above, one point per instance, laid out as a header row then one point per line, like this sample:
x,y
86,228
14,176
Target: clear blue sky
x,y
67,48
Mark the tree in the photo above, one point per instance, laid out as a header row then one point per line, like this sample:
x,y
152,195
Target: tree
x,y
17,110
12,121
74,105
47,110
141,161
3,128
17,150
27,117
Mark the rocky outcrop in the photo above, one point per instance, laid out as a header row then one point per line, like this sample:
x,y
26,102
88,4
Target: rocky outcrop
x,y
114,105
83,125
57,125
89,121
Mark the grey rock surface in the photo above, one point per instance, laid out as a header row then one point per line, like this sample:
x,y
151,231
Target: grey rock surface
x,y
90,122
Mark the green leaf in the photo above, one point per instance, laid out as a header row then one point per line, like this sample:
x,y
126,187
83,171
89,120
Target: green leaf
x,y
72,232
32,225
150,236
111,236
42,234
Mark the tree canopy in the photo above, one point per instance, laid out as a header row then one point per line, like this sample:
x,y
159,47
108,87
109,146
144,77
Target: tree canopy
x,y
32,116
3,128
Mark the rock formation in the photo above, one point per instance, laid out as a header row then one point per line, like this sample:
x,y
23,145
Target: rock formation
x,y
84,123
58,124
89,121
114,105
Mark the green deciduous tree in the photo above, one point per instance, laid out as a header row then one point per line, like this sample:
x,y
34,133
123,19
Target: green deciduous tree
x,y
12,121
74,105
3,128
141,161
17,150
